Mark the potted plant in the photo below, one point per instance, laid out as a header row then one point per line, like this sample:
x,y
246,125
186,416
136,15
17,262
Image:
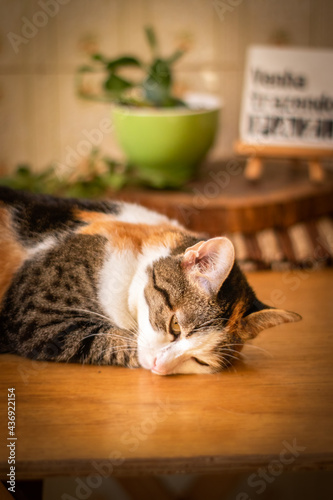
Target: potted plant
x,y
163,137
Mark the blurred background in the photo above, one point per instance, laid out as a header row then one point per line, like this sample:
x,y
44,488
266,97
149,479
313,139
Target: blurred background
x,y
41,117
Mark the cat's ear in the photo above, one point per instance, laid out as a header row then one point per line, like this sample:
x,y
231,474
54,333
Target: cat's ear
x,y
258,321
208,263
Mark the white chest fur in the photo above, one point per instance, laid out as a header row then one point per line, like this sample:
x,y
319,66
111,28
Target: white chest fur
x,y
115,279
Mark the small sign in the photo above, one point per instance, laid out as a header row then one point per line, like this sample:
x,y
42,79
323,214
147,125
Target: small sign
x,y
288,97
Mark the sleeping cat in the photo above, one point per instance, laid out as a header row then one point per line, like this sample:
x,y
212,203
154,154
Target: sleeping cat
x,y
114,283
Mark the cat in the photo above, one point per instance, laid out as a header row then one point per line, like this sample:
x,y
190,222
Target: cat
x,y
114,283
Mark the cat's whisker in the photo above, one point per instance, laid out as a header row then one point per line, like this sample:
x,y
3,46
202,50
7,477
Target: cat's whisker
x,y
134,332
240,354
76,309
136,340
135,329
227,348
260,349
235,344
248,344
228,355
224,365
243,356
107,334
114,350
224,355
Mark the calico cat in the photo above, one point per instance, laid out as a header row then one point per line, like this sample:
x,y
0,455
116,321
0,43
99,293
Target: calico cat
x,y
117,284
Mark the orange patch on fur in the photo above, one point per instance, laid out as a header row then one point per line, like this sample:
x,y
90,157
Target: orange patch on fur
x,y
235,321
86,216
12,254
126,235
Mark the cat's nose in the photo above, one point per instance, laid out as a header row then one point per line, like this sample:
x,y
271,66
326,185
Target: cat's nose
x,y
158,368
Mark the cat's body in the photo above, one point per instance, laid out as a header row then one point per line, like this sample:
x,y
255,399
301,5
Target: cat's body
x,y
114,283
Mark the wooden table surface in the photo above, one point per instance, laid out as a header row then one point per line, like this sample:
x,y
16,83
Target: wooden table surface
x,y
276,405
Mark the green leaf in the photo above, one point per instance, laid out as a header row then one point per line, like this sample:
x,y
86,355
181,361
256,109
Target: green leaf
x,y
172,102
158,84
24,171
124,61
151,38
99,57
155,86
117,84
175,56
114,181
25,179
160,71
86,69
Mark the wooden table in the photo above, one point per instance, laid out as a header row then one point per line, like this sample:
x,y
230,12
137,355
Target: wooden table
x,y
276,405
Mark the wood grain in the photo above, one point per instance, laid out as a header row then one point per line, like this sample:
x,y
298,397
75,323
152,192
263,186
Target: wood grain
x,y
223,201
275,151
4,493
79,420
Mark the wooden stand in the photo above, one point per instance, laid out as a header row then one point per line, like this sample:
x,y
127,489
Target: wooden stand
x,y
257,153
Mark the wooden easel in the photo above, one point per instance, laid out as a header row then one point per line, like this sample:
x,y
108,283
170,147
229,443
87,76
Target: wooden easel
x,y
257,153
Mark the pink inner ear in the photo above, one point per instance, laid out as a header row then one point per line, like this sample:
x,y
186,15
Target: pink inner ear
x,y
192,255
209,263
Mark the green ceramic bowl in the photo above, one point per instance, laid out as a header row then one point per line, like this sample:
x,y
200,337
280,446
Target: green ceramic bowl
x,y
167,145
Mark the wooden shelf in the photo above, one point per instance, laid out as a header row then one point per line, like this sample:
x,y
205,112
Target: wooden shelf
x,y
223,200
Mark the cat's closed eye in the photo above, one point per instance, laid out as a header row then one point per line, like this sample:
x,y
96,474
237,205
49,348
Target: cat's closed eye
x,y
200,362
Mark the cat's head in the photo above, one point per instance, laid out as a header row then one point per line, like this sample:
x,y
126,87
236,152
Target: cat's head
x,y
198,310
